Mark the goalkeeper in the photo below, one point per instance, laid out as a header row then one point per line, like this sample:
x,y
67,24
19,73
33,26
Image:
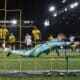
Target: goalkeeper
x,y
42,48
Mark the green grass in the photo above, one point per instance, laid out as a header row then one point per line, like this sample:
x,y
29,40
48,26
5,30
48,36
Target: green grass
x,y
15,62
39,78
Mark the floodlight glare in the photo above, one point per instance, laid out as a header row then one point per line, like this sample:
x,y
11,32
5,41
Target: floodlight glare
x,y
76,4
66,9
55,14
26,22
63,1
72,6
14,22
46,23
51,8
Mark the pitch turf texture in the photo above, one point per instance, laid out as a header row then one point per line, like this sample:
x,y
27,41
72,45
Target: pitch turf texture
x,y
39,78
44,62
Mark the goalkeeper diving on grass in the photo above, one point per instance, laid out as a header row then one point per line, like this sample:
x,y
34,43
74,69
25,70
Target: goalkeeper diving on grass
x,y
44,48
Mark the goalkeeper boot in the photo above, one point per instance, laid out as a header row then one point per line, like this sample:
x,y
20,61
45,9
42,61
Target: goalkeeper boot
x,y
57,52
9,53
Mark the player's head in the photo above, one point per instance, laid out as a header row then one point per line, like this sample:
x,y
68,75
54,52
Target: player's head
x,y
35,28
61,37
11,34
27,34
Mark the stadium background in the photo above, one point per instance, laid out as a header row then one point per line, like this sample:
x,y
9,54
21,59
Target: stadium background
x,y
35,63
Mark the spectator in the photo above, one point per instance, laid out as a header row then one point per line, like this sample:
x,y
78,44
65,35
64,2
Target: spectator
x,y
71,38
28,40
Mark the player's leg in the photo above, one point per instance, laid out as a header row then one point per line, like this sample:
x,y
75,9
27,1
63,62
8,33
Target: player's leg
x,y
10,45
57,51
20,52
39,49
17,52
9,53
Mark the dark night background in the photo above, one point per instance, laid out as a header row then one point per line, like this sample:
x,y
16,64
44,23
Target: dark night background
x,y
37,10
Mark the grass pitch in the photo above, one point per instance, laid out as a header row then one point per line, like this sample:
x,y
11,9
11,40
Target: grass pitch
x,y
44,62
39,78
